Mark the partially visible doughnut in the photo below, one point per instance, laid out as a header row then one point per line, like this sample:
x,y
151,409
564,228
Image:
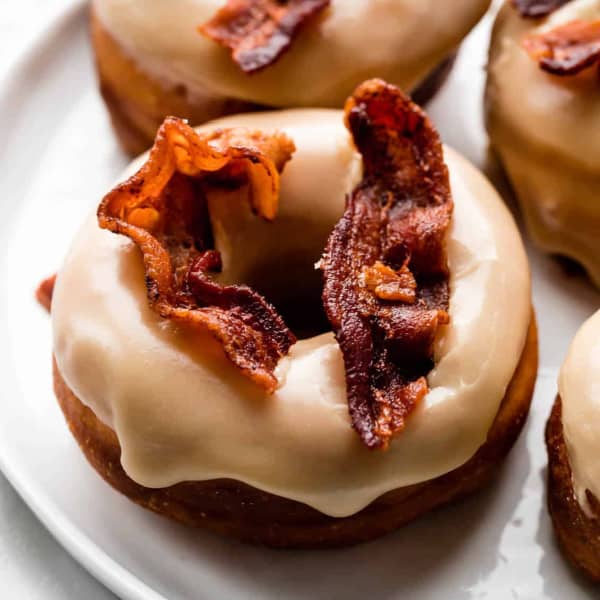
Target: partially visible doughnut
x,y
573,451
545,127
152,62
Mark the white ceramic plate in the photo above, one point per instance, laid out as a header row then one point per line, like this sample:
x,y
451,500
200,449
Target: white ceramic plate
x,y
58,157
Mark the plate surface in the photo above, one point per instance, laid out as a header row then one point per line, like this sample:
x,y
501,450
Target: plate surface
x,y
58,157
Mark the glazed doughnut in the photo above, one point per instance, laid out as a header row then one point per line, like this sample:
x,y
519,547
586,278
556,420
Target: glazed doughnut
x,y
547,135
274,441
572,441
153,62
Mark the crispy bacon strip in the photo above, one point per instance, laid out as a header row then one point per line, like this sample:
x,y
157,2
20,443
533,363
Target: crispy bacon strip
x,y
566,50
390,284
44,292
258,32
536,9
392,232
163,209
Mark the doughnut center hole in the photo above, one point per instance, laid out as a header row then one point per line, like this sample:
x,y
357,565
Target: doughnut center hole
x,y
275,258
294,287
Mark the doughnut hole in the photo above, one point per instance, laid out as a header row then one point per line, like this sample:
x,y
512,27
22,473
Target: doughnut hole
x,y
277,259
294,287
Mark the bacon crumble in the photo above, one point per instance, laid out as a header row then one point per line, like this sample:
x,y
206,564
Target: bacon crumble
x,y
44,292
535,9
392,232
258,32
389,284
567,49
163,208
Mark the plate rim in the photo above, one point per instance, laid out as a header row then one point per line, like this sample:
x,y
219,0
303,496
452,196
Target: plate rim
x,y
79,546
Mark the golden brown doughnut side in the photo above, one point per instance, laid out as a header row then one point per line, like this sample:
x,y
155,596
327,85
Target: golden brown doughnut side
x,y
238,510
579,536
138,104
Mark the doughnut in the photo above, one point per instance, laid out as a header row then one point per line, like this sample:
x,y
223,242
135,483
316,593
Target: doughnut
x,y
547,136
187,58
300,328
572,443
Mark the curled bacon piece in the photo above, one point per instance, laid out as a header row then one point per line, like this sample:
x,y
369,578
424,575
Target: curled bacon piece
x,y
538,8
385,266
163,209
258,32
567,49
